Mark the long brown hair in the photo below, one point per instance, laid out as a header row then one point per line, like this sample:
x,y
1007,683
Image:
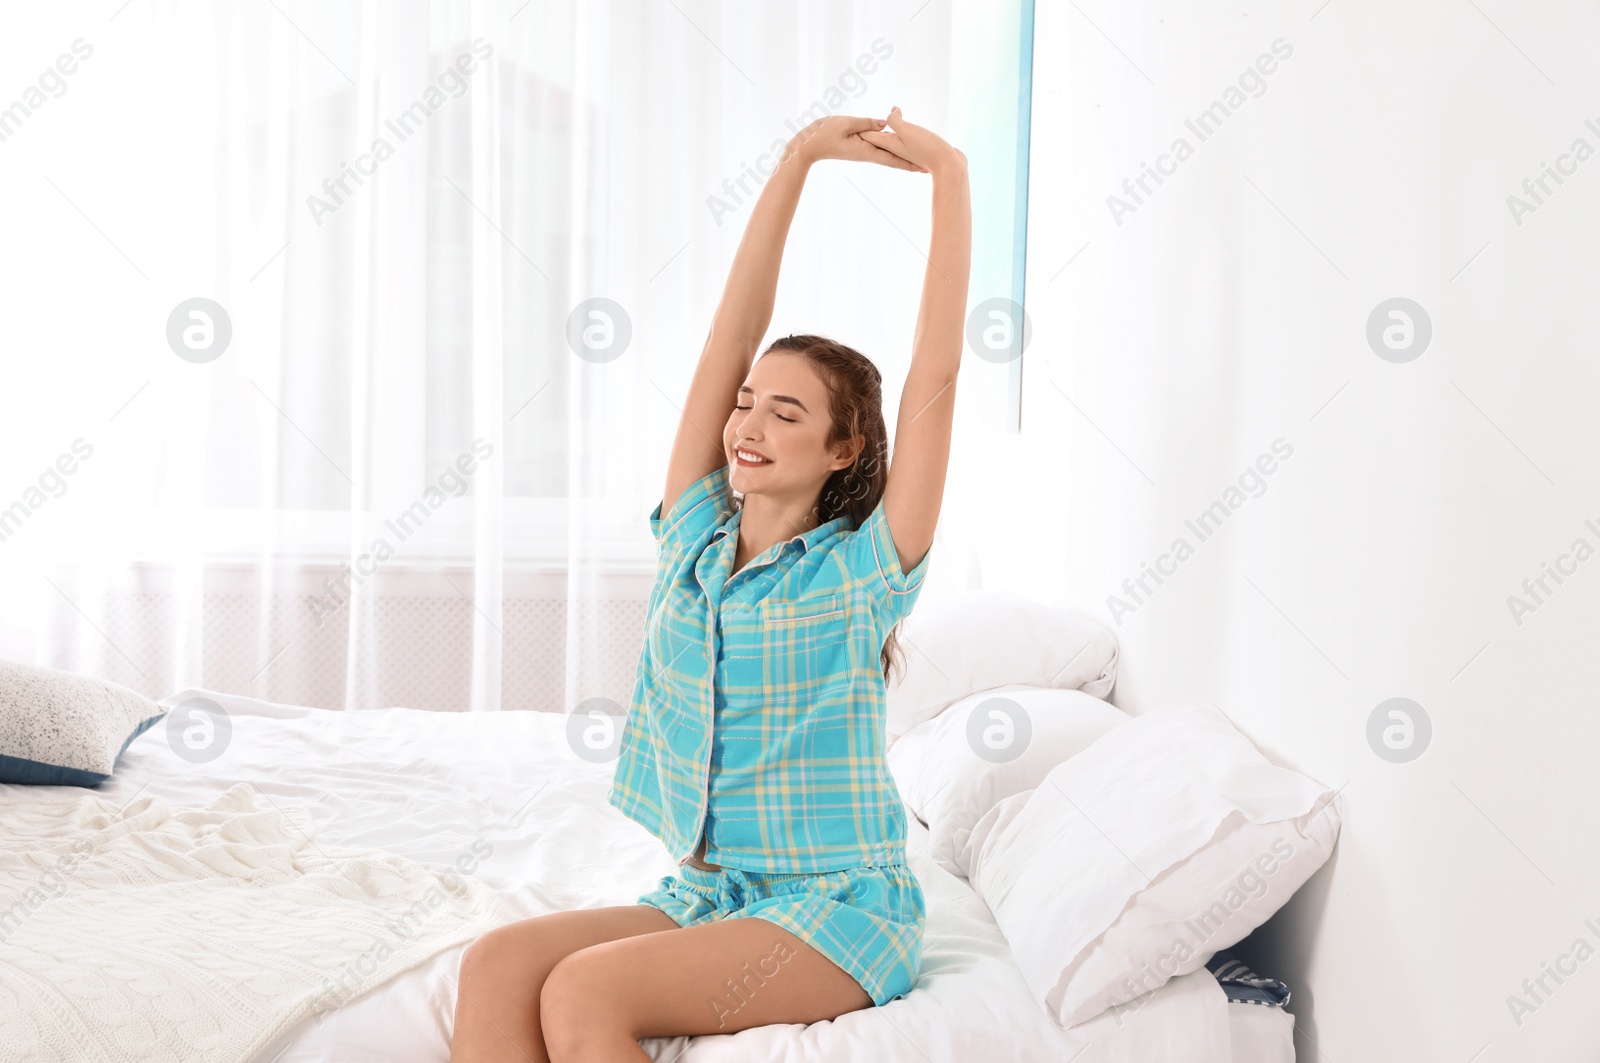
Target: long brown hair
x,y
855,400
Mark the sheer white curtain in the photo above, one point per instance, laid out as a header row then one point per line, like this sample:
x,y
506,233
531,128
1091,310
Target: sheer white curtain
x,y
468,255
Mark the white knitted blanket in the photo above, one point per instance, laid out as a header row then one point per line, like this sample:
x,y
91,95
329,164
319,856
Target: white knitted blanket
x,y
155,933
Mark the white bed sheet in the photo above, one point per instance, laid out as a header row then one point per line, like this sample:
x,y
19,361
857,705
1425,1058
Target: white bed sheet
x,y
1260,1031
436,786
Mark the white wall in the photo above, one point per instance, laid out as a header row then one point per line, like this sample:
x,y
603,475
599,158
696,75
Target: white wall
x,y
1229,310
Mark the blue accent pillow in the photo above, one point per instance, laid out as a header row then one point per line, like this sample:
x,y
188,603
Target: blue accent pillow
x,y
61,729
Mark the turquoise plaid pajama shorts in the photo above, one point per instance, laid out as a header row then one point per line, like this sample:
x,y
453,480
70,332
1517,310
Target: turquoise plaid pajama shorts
x,y
867,920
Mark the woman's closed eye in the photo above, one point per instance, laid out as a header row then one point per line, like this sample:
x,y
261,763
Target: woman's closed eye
x,y
779,416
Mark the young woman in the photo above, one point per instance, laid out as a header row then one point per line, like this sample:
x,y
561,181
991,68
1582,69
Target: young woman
x,y
754,744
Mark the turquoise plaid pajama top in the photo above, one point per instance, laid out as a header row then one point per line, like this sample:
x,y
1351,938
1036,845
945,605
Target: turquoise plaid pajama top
x,y
759,707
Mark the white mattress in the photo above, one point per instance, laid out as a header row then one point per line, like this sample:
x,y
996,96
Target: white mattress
x,y
431,786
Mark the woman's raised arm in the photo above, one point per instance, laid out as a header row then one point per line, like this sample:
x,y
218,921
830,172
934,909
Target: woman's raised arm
x,y
745,311
927,403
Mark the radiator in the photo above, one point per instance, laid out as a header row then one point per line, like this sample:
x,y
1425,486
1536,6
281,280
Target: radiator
x,y
289,638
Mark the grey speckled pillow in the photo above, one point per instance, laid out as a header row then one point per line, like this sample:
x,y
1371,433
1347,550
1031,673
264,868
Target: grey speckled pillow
x,y
60,729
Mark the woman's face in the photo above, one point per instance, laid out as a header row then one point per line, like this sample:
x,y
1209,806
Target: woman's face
x,y
782,415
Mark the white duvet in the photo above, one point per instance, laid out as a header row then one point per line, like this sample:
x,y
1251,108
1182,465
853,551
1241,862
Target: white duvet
x,y
502,795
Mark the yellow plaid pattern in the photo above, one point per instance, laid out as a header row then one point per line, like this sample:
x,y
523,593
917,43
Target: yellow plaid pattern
x,y
758,712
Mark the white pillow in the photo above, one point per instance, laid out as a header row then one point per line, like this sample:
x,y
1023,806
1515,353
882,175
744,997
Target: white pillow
x,y
960,764
1168,839
958,643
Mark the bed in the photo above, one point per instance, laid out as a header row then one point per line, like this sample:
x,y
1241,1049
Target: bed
x,y
430,786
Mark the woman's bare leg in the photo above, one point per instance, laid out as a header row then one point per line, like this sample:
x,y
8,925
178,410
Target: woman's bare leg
x,y
503,973
718,977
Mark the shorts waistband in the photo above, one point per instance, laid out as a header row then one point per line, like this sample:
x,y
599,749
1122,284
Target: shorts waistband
x,y
729,885
732,878
701,877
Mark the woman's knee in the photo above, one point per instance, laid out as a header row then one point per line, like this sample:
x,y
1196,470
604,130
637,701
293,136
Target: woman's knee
x,y
508,962
488,955
575,1000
